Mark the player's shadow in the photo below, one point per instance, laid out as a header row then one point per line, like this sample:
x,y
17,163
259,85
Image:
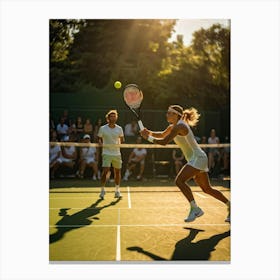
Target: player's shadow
x,y
185,249
77,220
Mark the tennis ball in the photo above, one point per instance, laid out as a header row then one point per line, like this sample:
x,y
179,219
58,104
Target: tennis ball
x,y
117,84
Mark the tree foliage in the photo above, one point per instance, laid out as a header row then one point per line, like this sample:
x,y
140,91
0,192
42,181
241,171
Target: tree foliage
x,y
87,56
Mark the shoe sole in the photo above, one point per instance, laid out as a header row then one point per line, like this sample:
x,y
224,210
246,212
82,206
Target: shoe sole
x,y
197,216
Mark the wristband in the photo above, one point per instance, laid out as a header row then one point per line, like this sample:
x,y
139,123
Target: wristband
x,y
151,139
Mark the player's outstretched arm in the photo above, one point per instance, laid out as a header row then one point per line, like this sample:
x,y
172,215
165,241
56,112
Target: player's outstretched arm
x,y
174,130
161,134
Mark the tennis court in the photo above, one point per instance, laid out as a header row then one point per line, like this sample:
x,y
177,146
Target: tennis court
x,y
146,224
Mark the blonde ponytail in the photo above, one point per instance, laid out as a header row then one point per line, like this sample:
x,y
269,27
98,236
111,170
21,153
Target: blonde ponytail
x,y
191,116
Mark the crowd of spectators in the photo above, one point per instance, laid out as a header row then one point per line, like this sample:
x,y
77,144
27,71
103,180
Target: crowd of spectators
x,y
72,161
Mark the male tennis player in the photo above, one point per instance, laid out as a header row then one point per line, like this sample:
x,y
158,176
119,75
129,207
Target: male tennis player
x,y
197,163
111,133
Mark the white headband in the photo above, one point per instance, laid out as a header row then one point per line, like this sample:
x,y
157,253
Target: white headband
x,y
174,111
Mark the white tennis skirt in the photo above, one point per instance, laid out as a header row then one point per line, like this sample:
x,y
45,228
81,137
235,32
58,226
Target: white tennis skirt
x,y
199,161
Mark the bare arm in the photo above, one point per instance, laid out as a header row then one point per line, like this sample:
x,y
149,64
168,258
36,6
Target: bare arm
x,y
161,134
178,129
100,141
122,139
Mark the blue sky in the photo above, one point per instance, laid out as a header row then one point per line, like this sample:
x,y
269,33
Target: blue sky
x,y
187,26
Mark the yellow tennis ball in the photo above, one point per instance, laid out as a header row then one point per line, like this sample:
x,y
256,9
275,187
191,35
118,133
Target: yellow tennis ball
x,y
117,84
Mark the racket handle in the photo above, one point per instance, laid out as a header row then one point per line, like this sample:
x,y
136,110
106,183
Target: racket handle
x,y
141,126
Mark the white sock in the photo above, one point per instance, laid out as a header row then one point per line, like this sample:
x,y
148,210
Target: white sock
x,y
193,204
103,188
117,188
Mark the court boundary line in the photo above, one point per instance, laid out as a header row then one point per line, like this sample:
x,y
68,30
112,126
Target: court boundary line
x,y
118,245
139,225
128,197
137,208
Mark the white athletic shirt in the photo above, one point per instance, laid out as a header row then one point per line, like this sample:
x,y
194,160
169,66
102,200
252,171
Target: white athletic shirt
x,y
68,151
111,136
62,129
139,152
88,153
54,150
195,156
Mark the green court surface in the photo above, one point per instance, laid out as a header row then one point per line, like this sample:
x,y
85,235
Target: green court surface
x,y
146,224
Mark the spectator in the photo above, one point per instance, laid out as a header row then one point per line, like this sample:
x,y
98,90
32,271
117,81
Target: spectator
x,y
54,158
65,116
61,129
204,141
131,129
88,158
178,158
88,128
68,154
213,153
138,155
53,136
52,124
72,128
79,128
97,125
225,156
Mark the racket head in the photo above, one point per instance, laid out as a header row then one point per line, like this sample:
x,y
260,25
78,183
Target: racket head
x,y
132,96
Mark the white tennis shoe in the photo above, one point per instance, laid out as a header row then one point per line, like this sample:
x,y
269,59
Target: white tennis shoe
x,y
118,194
195,212
102,194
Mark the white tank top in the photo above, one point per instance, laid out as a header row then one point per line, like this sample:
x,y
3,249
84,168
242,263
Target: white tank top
x,y
188,144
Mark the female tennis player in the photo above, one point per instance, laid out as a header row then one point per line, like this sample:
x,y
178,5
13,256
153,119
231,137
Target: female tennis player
x,y
180,131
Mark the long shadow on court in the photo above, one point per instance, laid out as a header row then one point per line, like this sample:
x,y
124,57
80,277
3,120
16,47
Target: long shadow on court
x,y
185,249
80,219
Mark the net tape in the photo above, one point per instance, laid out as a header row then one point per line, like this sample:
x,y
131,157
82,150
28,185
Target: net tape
x,y
145,146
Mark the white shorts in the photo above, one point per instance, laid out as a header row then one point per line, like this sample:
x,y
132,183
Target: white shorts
x,y
199,162
65,160
89,160
142,161
57,160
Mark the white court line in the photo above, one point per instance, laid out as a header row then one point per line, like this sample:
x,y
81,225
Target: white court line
x,y
201,195
128,198
136,208
118,249
151,225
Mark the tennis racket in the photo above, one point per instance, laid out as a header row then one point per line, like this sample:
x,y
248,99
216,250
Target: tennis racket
x,y
133,98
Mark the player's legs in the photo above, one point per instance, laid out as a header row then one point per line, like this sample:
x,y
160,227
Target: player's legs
x,y
117,164
117,175
106,166
105,171
186,173
202,179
